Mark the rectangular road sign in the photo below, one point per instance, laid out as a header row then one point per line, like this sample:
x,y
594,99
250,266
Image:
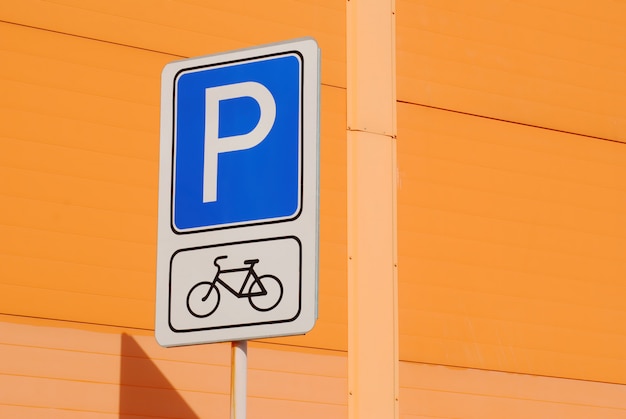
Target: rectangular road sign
x,y
238,195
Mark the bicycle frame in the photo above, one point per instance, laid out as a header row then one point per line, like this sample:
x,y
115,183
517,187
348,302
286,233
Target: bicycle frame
x,y
251,273
199,293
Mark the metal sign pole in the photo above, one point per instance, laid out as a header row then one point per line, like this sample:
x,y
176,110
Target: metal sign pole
x,y
238,379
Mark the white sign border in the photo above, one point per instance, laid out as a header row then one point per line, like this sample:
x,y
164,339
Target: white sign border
x,y
305,227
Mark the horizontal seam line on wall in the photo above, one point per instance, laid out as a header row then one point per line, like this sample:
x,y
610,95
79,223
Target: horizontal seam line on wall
x,y
586,380
512,397
76,322
512,122
89,38
380,134
261,341
266,342
30,406
121,44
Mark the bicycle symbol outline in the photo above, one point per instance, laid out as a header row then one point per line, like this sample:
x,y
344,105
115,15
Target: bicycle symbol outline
x,y
204,297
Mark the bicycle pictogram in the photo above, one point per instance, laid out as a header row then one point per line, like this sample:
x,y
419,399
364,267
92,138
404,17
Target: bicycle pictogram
x,y
263,292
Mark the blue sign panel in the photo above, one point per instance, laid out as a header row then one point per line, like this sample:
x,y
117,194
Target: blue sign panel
x,y
237,143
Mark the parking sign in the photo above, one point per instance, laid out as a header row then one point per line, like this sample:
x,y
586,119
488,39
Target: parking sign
x,y
247,151
238,195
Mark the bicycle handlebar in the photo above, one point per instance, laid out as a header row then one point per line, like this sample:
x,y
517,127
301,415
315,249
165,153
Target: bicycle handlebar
x,y
218,258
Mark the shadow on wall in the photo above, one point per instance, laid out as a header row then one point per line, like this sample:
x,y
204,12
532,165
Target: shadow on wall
x,y
144,390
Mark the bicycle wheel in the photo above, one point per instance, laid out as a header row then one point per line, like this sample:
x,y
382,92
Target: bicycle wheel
x,y
271,297
203,299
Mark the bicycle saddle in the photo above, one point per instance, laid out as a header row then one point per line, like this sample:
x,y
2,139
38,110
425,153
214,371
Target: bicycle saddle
x,y
250,261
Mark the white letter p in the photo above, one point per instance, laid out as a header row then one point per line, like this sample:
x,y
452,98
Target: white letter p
x,y
214,145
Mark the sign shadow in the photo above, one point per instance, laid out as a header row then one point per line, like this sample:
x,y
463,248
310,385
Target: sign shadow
x,y
144,390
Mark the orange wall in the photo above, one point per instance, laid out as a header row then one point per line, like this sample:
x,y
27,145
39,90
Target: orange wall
x,y
510,241
79,130
510,219
552,64
64,373
80,134
435,391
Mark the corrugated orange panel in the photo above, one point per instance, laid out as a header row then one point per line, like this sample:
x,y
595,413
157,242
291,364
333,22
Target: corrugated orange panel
x,y
296,384
79,133
511,243
432,391
190,28
28,412
548,63
49,371
80,167
55,370
57,394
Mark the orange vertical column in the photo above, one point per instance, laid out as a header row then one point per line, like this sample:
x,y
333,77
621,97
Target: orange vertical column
x,y
372,267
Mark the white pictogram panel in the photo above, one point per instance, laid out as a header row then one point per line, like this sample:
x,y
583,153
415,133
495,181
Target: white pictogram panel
x,y
235,285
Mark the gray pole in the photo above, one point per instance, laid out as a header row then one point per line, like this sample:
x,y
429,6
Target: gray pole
x,y
238,379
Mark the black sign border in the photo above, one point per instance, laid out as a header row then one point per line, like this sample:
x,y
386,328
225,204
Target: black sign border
x,y
302,130
169,300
